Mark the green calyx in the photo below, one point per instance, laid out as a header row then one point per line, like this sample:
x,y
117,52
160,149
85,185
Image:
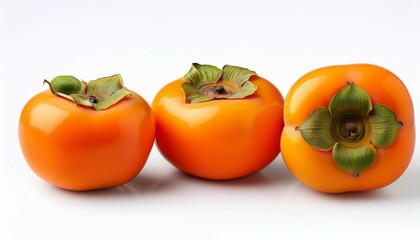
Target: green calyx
x,y
207,82
98,94
352,127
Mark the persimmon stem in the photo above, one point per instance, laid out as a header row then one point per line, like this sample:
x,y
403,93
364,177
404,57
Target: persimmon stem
x,y
50,86
217,90
92,98
351,129
220,89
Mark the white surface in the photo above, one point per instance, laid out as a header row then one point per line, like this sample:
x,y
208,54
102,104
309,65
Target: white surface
x,y
153,42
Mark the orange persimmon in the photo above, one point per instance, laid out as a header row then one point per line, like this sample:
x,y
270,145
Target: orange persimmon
x,y
348,128
104,143
219,124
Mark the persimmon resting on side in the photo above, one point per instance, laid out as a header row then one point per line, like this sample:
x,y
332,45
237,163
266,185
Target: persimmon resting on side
x,y
348,128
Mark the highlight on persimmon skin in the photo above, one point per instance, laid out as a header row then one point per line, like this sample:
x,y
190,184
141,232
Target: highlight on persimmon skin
x,y
348,128
102,142
219,123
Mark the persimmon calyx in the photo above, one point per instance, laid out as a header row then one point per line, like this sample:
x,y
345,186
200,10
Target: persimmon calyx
x,y
98,94
207,82
352,127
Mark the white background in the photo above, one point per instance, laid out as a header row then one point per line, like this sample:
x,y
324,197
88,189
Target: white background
x,y
153,42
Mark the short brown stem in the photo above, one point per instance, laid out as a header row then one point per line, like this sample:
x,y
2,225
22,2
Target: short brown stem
x,y
50,86
217,90
92,98
220,89
351,129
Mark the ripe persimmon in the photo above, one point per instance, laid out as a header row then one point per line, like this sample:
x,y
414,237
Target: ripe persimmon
x,y
103,141
219,123
348,128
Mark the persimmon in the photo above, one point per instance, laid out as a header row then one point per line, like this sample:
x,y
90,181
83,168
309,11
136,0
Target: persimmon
x,y
348,128
86,136
219,123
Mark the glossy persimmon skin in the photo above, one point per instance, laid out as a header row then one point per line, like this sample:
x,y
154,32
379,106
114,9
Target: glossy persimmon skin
x,y
76,148
314,90
219,139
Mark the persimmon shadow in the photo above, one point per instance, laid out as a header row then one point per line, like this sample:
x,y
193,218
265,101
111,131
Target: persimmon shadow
x,y
274,174
120,191
142,184
405,188
145,184
252,180
364,196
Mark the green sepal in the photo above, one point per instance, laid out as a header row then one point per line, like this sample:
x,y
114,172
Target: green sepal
x,y
107,90
353,160
240,77
80,99
99,94
192,94
384,126
200,75
105,85
246,89
66,85
236,75
316,129
350,99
